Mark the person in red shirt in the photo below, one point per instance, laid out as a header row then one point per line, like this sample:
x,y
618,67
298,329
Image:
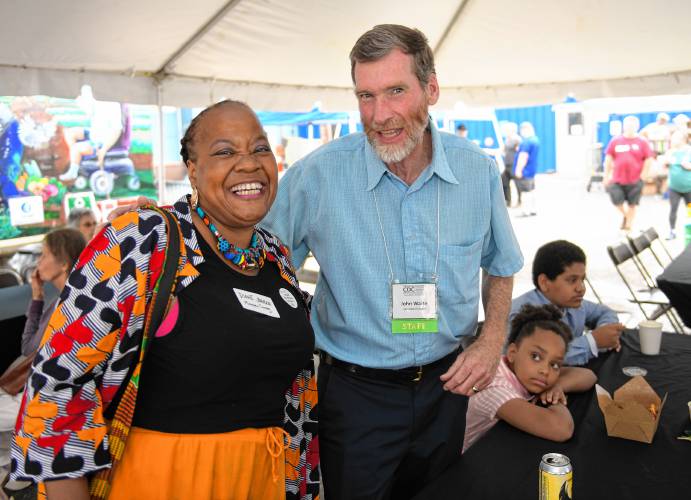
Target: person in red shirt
x,y
627,161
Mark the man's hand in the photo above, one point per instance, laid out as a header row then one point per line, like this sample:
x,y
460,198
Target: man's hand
x,y
554,395
607,336
142,201
474,367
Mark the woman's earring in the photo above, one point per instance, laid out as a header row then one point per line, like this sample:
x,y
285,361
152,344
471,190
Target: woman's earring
x,y
194,199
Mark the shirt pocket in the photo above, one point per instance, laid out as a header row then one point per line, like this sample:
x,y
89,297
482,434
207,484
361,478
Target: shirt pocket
x,y
459,280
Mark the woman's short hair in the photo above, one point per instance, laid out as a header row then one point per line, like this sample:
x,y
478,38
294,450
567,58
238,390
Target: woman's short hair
x,y
546,317
383,38
66,244
187,141
76,215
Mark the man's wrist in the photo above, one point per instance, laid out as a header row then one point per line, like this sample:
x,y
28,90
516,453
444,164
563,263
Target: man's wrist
x,y
493,337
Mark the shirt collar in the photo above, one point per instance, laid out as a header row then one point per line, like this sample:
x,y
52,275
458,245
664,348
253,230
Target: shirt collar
x,y
545,300
376,168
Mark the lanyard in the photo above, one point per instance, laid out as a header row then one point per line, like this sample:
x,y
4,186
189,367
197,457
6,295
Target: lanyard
x,y
386,246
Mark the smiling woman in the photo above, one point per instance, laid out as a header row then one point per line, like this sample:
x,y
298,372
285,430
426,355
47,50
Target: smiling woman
x,y
225,396
231,168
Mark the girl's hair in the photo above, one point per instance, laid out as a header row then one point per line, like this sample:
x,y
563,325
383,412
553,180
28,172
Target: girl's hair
x,y
547,317
66,244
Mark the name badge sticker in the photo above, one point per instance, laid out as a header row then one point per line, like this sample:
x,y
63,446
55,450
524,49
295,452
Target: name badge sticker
x,y
288,298
414,308
257,303
414,300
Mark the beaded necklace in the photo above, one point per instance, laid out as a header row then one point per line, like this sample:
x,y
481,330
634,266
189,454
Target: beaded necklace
x,y
245,258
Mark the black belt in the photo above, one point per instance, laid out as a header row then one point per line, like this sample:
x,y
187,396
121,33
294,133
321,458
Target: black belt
x,y
410,375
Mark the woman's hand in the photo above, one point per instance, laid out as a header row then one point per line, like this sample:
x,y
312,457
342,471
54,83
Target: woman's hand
x,y
554,395
36,285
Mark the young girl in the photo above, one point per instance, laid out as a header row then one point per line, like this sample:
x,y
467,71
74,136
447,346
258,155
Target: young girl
x,y
530,371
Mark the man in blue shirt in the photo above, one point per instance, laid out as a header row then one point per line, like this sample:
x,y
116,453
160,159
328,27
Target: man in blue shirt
x,y
525,168
401,219
559,278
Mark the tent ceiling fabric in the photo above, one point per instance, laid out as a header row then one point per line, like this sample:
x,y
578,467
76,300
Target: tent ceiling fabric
x,y
279,55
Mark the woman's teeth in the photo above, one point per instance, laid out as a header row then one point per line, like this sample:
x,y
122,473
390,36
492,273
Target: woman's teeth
x,y
247,189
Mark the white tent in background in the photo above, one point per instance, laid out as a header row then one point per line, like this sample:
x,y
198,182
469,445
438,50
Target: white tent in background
x,y
284,55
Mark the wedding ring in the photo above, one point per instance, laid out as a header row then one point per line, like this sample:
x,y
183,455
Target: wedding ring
x,y
475,389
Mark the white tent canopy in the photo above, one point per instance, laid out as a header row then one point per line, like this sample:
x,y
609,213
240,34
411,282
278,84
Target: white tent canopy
x,y
285,55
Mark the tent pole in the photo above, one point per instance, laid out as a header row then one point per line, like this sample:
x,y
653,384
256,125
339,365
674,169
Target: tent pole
x,y
161,149
457,15
167,66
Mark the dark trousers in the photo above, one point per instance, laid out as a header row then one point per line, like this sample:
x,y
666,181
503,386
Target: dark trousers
x,y
385,440
506,178
506,186
674,199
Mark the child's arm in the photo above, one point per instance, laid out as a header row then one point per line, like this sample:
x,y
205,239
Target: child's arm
x,y
571,379
554,422
574,379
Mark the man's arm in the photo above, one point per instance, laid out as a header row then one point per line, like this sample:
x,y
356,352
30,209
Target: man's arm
x,y
646,168
476,366
609,167
289,217
521,163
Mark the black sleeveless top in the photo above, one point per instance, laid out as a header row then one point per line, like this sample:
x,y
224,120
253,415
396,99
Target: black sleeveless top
x,y
224,366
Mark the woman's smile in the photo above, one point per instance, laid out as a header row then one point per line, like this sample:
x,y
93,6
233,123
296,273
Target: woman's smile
x,y
248,190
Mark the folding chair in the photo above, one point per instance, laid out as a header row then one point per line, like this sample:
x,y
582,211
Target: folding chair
x,y
653,237
642,251
9,277
617,308
620,255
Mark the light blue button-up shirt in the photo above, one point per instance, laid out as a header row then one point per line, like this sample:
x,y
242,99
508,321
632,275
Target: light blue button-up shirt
x,y
589,315
326,204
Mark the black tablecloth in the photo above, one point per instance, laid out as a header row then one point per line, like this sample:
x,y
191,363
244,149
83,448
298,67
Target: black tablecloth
x,y
14,301
504,463
675,282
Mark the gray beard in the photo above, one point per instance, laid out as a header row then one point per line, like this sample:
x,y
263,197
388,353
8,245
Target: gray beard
x,y
395,154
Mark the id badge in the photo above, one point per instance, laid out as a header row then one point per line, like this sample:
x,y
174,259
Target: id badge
x,y
414,308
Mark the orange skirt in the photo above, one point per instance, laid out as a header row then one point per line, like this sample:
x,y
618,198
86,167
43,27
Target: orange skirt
x,y
241,465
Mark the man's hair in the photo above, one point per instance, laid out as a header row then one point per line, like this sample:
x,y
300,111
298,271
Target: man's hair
x,y
76,215
552,258
383,38
462,127
187,141
633,119
546,317
66,244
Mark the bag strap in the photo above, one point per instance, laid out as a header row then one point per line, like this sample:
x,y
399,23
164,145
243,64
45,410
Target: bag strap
x,y
166,282
159,301
124,400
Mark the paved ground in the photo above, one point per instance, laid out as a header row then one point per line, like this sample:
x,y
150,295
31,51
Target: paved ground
x,y
567,211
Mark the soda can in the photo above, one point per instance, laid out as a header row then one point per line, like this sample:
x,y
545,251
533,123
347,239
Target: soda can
x,y
556,477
